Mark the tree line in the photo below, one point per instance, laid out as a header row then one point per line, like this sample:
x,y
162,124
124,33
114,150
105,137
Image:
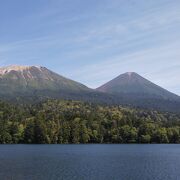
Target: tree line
x,y
63,122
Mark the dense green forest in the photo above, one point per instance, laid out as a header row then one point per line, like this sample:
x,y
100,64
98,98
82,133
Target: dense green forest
x,y
56,122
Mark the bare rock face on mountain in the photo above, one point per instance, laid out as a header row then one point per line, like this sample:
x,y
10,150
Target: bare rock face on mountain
x,y
135,85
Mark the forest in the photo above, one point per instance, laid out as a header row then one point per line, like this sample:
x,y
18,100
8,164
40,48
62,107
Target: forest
x,y
74,122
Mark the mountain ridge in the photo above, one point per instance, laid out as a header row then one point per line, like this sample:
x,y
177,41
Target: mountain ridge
x,y
38,73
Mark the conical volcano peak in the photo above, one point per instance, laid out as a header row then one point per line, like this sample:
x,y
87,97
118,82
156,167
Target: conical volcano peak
x,y
127,77
130,73
131,83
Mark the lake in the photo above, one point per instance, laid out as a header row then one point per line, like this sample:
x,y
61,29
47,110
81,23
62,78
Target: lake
x,y
101,162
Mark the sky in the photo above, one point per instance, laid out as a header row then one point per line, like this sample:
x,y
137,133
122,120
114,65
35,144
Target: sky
x,y
93,41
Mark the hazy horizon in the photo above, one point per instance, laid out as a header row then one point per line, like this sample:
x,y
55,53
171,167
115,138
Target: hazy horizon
x,y
93,41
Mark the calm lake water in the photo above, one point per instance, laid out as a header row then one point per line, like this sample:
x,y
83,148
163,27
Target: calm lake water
x,y
101,162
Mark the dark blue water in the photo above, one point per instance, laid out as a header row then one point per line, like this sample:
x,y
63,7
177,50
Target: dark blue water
x,y
101,162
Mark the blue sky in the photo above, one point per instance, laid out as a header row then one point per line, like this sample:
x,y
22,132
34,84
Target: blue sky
x,y
93,41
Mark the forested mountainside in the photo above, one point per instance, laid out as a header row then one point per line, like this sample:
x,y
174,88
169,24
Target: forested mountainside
x,y
56,121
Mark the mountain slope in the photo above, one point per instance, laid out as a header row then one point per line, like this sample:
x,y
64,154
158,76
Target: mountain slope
x,y
31,80
35,83
134,90
133,84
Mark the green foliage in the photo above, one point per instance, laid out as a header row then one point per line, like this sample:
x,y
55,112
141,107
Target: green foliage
x,y
145,138
62,122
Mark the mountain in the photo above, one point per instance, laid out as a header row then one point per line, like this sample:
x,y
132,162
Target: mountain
x,y
35,77
133,83
36,83
133,89
36,80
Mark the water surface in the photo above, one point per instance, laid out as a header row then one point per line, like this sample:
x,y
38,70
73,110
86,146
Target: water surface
x,y
101,162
